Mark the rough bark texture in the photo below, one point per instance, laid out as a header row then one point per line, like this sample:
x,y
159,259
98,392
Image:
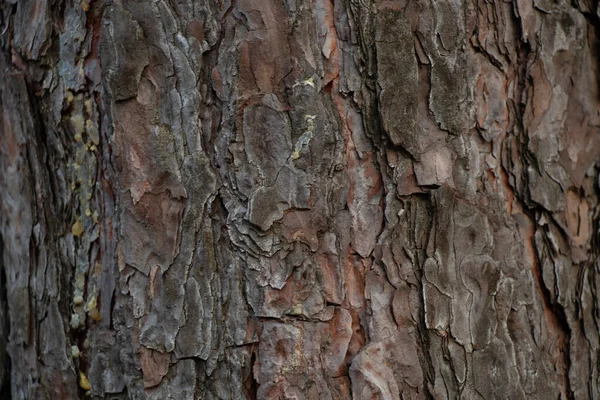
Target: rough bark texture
x,y
325,199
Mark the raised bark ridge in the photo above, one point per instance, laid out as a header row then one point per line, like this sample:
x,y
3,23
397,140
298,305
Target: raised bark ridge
x,y
324,200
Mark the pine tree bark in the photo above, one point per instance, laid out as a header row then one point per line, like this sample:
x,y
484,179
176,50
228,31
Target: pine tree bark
x,y
273,199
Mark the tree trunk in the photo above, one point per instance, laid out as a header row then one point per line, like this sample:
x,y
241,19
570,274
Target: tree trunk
x,y
277,199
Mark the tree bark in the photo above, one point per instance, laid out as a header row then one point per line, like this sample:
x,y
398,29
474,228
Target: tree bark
x,y
273,199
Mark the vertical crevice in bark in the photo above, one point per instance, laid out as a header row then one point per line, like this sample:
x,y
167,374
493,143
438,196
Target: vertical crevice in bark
x,y
251,384
5,363
593,17
546,223
557,315
424,333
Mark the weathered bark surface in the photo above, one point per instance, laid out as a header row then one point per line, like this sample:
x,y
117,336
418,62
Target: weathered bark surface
x,y
326,199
